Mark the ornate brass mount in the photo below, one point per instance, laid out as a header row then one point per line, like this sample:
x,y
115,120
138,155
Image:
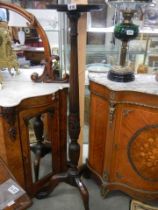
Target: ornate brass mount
x,y
104,191
9,114
105,176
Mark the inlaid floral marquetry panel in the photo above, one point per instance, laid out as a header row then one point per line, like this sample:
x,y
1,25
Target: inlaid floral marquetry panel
x,y
143,152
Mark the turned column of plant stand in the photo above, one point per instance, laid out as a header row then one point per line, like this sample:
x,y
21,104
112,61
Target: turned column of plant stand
x,y
72,175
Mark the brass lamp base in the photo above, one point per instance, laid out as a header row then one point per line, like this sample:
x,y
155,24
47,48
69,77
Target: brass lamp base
x,y
120,76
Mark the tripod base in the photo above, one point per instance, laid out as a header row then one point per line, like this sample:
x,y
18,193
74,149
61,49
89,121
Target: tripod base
x,y
69,179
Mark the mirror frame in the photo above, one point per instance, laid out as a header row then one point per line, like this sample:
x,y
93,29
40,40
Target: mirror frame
x,y
48,74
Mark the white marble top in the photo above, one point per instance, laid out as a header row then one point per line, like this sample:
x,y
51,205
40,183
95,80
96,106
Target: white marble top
x,y
33,49
144,83
19,87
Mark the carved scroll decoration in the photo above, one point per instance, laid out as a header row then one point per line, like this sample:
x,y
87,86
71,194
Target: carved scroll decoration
x,y
9,115
74,125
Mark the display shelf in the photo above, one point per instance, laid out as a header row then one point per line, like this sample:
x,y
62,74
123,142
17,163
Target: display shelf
x,y
145,30
104,47
139,51
54,25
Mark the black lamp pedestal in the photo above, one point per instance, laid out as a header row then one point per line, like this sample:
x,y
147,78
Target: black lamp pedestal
x,y
120,77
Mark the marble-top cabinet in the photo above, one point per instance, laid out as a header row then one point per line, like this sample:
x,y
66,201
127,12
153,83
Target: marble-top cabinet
x,y
123,139
33,125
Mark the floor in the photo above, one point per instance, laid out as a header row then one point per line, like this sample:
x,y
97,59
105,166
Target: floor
x,y
66,197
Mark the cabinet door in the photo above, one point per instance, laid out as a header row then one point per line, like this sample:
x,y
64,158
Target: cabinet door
x,y
135,157
43,139
98,130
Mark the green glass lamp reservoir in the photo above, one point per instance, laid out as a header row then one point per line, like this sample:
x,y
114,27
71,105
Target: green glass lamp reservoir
x,y
126,32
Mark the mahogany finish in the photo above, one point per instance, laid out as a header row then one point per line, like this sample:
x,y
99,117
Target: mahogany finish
x,y
14,136
123,143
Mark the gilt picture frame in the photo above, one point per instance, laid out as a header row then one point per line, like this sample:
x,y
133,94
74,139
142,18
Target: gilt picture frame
x,y
137,205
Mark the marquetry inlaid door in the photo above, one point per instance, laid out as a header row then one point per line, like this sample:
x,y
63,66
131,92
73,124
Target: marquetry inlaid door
x,y
123,141
135,148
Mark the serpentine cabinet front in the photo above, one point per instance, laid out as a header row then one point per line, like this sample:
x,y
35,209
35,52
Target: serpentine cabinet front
x,y
123,142
33,160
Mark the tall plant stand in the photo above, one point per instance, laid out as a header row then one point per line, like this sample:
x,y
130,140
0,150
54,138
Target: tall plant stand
x,y
72,175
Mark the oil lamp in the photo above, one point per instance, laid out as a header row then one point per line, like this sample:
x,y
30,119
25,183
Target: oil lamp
x,y
125,31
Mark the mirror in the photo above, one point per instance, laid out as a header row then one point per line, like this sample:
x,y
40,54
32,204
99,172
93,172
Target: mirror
x,y
31,47
40,148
